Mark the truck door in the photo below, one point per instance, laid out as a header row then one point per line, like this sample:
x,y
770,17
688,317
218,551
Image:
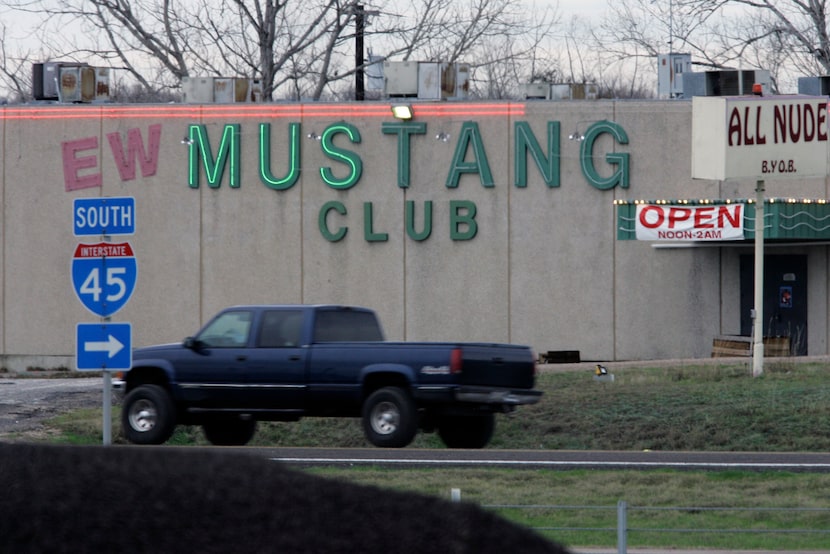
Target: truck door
x,y
276,365
213,372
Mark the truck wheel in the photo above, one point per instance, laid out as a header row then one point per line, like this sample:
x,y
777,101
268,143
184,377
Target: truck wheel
x,y
390,418
229,431
467,431
148,415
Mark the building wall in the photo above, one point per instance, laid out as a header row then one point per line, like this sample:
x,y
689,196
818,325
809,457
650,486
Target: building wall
x,y
544,267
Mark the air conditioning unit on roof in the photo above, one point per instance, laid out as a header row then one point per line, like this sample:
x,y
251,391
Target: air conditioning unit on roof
x,y
70,82
220,90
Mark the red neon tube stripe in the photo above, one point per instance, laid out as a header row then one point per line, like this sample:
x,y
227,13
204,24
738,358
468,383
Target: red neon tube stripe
x,y
259,111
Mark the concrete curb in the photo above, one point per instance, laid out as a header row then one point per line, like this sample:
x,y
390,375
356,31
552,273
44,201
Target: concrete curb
x,y
591,365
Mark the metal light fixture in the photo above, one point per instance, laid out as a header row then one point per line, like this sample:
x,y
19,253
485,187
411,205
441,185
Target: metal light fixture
x,y
402,111
442,136
577,135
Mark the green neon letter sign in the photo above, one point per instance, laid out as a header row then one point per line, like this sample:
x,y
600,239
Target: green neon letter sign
x,y
525,143
404,129
410,221
323,215
368,231
214,168
459,219
470,135
622,160
352,160
293,173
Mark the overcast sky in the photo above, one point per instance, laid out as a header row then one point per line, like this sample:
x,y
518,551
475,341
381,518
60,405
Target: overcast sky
x,y
584,8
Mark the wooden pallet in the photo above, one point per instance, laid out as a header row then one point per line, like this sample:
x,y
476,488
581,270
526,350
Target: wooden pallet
x,y
733,345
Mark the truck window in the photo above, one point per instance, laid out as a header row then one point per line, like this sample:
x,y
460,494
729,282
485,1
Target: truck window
x,y
280,329
228,330
346,325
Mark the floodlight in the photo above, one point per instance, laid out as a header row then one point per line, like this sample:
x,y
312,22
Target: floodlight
x,y
402,111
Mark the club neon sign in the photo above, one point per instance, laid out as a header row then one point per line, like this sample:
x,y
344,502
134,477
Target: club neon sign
x,y
214,159
339,141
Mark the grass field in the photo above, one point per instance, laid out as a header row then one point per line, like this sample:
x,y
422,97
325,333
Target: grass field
x,y
680,408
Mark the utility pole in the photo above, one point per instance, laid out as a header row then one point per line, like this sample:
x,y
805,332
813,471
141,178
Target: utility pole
x,y
360,26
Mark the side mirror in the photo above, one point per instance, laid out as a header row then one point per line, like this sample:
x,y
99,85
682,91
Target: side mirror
x,y
191,343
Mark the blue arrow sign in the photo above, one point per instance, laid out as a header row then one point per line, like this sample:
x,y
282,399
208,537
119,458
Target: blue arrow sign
x,y
104,216
104,346
104,276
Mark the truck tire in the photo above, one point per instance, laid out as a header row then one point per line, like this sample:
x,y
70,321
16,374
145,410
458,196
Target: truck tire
x,y
229,431
390,419
467,431
148,415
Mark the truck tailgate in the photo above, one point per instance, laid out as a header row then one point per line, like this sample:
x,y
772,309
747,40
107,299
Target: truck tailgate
x,y
502,365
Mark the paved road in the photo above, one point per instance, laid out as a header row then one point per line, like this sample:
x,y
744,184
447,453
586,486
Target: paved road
x,y
697,551
559,459
25,402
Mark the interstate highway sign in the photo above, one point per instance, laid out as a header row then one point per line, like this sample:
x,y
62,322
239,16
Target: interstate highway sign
x,y
103,346
104,276
103,216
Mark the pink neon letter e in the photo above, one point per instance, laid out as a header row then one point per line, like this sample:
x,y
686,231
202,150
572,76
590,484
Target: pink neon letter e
x,y
72,164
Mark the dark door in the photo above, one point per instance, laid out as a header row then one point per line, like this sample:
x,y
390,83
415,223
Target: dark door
x,y
213,373
785,298
276,379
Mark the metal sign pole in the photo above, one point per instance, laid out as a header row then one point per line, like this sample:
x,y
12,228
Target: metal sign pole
x,y
758,323
107,423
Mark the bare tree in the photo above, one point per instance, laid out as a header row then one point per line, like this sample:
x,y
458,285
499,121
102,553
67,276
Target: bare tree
x,y
13,72
646,28
297,48
787,37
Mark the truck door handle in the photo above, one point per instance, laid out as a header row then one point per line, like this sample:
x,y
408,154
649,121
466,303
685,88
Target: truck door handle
x,y
241,358
294,358
498,360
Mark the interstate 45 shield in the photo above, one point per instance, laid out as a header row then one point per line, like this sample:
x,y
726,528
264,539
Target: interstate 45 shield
x,y
104,276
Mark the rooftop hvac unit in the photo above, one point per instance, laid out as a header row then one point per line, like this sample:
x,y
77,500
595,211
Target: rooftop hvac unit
x,y
400,79
102,84
443,81
671,70
733,82
245,90
197,90
249,90
70,82
814,86
537,91
45,81
574,91
221,90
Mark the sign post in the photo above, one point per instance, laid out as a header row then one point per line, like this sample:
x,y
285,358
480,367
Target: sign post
x,y
775,137
104,276
758,312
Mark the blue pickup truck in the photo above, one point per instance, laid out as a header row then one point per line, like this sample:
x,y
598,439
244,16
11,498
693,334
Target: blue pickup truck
x,y
284,362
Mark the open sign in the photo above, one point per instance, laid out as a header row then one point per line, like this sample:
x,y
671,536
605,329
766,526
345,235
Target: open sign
x,y
690,223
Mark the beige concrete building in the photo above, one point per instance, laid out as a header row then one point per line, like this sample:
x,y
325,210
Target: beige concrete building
x,y
497,222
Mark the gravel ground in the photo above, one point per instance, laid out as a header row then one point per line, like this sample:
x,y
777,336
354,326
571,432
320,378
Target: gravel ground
x,y
26,405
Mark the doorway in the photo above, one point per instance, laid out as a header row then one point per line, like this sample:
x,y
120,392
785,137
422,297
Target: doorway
x,y
785,298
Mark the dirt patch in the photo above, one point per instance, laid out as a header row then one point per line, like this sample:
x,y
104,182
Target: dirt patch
x,y
26,410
